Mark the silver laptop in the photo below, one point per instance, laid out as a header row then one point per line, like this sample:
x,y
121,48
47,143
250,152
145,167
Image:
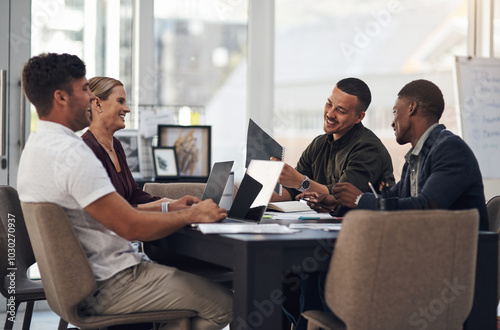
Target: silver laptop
x,y
255,191
217,180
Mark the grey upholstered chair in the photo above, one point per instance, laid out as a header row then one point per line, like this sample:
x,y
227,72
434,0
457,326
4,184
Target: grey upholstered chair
x,y
401,270
493,207
154,249
67,276
26,290
176,190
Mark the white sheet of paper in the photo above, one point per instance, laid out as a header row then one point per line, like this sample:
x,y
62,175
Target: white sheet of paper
x,y
318,226
237,228
296,215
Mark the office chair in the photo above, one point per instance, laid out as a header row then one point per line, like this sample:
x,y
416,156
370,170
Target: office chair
x,y
401,270
67,276
155,251
176,190
16,256
493,207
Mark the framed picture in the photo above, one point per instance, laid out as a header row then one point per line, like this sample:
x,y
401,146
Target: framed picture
x,y
165,162
192,145
131,143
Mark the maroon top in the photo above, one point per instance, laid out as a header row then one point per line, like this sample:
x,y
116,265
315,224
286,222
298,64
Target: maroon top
x,y
123,181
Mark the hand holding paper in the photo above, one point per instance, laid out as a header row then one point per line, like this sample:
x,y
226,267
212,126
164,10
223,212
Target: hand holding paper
x,y
289,177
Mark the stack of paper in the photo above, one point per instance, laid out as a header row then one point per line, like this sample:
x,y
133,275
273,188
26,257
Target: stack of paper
x,y
303,215
319,226
243,228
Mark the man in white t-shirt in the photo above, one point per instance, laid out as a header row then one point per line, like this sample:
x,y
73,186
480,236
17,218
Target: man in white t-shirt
x,y
57,166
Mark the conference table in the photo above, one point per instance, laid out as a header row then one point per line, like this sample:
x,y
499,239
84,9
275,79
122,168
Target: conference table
x,y
260,260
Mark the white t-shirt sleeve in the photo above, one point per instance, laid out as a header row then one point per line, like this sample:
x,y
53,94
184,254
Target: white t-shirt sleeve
x,y
57,166
83,176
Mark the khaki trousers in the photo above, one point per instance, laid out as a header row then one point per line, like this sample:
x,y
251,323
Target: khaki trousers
x,y
153,287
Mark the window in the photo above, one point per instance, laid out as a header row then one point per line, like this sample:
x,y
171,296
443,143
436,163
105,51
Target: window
x,y
201,67
496,28
383,42
99,32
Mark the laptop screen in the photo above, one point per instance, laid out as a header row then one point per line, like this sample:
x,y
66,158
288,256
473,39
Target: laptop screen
x,y
256,190
217,181
267,173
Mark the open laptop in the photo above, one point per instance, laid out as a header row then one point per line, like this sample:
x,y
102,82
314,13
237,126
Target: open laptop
x,y
255,191
217,180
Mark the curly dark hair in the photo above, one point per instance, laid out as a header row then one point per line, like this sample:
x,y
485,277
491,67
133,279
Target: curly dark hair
x,y
48,72
427,95
358,88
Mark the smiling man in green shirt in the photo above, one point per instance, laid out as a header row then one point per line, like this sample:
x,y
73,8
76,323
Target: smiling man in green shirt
x,y
347,152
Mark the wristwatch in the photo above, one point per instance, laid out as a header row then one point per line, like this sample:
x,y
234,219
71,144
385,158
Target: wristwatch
x,y
306,184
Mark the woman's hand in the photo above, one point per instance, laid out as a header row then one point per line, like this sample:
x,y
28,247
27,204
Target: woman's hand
x,y
183,203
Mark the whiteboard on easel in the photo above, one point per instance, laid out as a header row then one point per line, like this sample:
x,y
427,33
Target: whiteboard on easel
x,y
478,81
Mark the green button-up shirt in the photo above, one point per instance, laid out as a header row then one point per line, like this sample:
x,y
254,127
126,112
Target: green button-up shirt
x,y
357,157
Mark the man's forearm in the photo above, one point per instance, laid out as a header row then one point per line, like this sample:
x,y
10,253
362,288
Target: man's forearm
x,y
318,187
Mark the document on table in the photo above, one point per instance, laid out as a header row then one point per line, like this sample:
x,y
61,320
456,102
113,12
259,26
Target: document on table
x,y
318,226
303,215
244,228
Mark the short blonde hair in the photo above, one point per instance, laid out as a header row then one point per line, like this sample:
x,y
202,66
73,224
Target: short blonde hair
x,y
102,86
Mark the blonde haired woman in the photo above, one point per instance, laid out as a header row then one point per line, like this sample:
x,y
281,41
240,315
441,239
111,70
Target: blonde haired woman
x,y
108,113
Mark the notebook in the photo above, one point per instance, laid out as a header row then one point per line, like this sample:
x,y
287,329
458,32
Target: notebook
x,y
288,206
255,191
217,181
261,146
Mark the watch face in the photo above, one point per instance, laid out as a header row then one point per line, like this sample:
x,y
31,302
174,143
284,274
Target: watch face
x,y
306,184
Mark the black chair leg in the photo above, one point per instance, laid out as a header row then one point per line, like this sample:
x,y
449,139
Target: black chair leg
x,y
9,319
63,325
28,314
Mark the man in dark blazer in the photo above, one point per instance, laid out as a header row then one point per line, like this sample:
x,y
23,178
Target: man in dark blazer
x,y
441,171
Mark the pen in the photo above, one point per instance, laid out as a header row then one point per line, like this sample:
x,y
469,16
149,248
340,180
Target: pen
x,y
373,189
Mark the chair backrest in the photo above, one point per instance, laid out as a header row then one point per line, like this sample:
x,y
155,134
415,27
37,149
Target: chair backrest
x,y
13,235
404,269
176,190
493,207
65,270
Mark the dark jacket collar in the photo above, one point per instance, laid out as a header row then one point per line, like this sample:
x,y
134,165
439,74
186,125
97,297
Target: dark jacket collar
x,y
432,138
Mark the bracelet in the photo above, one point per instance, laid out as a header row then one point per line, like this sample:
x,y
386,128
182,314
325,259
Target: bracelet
x,y
164,207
